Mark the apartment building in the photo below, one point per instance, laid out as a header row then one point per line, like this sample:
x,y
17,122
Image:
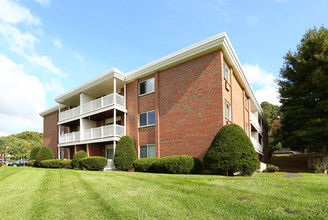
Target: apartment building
x,y
172,106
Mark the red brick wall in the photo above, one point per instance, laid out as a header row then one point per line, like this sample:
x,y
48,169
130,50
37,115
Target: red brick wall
x,y
50,132
96,150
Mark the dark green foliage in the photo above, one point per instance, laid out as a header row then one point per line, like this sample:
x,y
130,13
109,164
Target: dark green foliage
x,y
45,153
54,163
177,164
272,168
77,157
93,163
145,165
231,152
125,153
65,163
34,152
304,93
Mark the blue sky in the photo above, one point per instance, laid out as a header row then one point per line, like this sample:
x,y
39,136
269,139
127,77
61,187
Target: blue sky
x,y
48,47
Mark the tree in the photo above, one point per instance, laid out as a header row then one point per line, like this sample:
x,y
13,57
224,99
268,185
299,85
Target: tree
x,y
271,112
16,148
45,153
304,93
125,153
231,152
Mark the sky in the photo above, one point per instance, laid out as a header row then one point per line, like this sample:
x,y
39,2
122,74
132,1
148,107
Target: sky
x,y
48,47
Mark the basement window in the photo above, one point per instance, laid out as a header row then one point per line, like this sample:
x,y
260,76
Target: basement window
x,y
147,118
147,150
147,86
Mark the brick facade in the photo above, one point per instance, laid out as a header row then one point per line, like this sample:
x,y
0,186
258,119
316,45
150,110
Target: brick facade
x,y
50,132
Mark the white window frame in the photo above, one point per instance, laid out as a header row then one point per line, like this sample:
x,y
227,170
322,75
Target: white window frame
x,y
247,129
147,150
246,103
225,115
147,125
226,70
153,78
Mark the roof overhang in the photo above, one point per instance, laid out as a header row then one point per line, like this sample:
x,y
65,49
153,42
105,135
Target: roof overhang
x,y
50,110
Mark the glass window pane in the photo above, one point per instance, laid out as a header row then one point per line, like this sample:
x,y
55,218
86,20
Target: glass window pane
x,y
151,118
143,151
150,85
109,153
151,151
142,88
143,119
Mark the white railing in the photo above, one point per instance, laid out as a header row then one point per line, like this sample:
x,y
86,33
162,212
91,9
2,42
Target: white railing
x,y
257,146
255,122
92,106
93,133
69,137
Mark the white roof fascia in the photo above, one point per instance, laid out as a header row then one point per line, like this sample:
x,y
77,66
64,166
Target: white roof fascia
x,y
49,110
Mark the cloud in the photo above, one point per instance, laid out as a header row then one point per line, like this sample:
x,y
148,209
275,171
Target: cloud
x,y
43,2
266,88
57,43
11,12
79,58
55,86
22,97
252,20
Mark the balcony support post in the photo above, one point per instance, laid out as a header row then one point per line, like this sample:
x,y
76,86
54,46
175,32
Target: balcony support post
x,y
114,148
114,123
124,95
114,86
124,123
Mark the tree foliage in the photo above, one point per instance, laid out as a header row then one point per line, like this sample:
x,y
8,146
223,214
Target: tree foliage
x,y
125,153
45,153
303,89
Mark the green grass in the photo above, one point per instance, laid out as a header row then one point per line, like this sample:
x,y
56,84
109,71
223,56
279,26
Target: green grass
x,y
35,193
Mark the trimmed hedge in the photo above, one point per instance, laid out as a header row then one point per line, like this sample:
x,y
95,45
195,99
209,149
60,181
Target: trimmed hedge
x,y
34,152
125,153
45,153
145,164
93,163
54,163
65,163
231,152
77,157
272,168
177,164
31,163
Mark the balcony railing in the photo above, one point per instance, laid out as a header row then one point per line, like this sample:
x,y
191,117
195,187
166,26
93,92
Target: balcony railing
x,y
258,147
92,106
255,122
93,133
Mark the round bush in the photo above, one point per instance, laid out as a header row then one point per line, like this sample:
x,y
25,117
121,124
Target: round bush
x,y
178,164
93,163
54,163
231,152
125,153
77,157
145,165
31,163
65,163
45,153
34,152
272,168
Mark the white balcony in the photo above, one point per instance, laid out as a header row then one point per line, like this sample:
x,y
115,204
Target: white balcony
x,y
92,134
257,146
93,105
255,122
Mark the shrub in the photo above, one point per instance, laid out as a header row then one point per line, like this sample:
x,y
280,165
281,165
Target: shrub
x,y
65,163
231,152
178,164
45,153
54,163
125,153
93,163
4,164
145,165
31,162
34,152
272,168
77,157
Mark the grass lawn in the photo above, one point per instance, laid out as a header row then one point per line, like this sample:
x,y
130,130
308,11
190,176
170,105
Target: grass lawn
x,y
35,193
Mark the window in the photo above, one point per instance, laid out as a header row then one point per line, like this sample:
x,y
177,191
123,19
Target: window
x,y
61,155
147,118
246,129
226,73
147,150
246,103
147,86
227,110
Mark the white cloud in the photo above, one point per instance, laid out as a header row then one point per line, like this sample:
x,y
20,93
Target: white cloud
x,y
57,43
252,20
11,12
55,86
79,58
22,97
45,62
264,82
43,2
